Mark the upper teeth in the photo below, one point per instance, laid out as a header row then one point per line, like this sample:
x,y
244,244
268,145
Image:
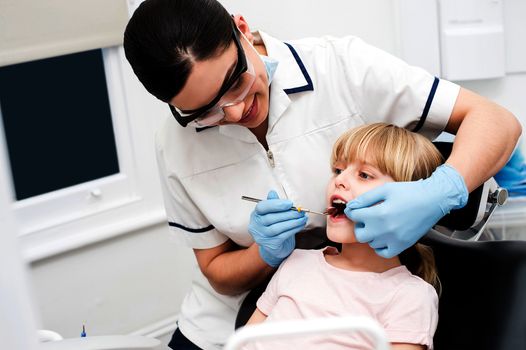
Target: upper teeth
x,y
338,201
249,110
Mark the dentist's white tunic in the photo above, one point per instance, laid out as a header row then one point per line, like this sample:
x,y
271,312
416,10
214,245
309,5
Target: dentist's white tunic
x,y
322,87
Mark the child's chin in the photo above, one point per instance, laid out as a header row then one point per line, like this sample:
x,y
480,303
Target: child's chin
x,y
342,237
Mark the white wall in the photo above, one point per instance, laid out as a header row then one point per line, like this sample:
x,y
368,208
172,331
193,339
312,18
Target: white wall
x,y
371,20
117,286
17,319
136,282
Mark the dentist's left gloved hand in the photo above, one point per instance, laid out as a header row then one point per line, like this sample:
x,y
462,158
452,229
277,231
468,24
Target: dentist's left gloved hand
x,y
405,211
274,226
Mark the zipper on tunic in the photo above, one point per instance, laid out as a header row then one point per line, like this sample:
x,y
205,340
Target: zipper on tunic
x,y
270,158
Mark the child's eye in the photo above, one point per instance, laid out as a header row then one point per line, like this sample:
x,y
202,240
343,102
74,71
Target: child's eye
x,y
336,171
364,175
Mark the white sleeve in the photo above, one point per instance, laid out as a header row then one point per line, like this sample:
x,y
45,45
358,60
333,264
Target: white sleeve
x,y
387,89
188,225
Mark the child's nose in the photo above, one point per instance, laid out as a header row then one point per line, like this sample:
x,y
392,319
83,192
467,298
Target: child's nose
x,y
341,181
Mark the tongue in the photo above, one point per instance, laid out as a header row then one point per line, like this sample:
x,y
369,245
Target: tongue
x,y
337,209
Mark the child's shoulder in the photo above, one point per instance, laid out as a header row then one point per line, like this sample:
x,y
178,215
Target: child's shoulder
x,y
303,256
299,262
413,287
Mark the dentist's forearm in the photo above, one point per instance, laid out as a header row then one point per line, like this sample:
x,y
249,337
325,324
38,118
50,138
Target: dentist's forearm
x,y
234,270
485,140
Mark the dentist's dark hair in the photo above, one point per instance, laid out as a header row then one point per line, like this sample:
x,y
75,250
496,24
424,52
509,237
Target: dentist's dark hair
x,y
164,38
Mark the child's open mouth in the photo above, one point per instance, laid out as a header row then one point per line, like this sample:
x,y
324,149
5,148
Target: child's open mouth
x,y
337,208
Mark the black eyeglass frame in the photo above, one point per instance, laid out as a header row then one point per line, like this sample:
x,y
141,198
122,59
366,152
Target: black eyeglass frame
x,y
241,68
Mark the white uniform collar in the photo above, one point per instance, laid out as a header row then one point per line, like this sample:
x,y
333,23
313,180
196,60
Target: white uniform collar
x,y
290,77
291,72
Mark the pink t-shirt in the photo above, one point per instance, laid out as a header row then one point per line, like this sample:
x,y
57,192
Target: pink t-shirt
x,y
306,286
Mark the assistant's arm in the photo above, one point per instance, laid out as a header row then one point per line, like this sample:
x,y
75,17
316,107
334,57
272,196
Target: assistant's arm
x,y
232,270
486,135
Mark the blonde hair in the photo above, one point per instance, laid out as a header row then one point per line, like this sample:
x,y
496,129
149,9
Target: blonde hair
x,y
403,155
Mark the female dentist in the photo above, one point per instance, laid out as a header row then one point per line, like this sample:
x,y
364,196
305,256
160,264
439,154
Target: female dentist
x,y
253,113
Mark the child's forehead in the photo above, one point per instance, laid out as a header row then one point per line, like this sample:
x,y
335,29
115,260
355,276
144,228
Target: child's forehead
x,y
356,162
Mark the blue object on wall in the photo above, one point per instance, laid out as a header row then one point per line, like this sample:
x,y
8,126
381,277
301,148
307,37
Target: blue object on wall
x,y
513,175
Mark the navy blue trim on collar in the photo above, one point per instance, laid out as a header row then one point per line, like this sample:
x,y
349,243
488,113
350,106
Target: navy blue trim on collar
x,y
309,86
427,106
204,128
193,230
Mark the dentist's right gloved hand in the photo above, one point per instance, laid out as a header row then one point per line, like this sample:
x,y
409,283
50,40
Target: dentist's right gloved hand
x,y
273,226
393,216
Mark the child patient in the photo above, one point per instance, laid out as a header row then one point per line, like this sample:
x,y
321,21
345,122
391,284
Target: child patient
x,y
399,293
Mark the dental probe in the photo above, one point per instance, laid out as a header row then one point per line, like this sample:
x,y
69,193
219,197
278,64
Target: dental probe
x,y
256,200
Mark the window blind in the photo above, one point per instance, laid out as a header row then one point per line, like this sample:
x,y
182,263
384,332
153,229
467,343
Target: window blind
x,y
36,29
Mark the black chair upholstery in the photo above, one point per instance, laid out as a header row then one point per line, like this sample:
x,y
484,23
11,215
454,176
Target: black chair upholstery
x,y
483,301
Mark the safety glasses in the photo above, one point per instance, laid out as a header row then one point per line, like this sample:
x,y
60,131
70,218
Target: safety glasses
x,y
232,92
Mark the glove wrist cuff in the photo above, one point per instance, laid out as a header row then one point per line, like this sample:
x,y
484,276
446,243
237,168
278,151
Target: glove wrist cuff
x,y
271,260
454,187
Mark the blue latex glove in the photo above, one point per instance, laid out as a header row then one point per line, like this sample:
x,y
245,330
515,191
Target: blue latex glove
x,y
273,226
405,210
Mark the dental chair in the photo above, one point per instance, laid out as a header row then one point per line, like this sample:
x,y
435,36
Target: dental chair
x,y
483,301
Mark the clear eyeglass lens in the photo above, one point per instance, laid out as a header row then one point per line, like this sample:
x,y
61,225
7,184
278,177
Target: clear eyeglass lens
x,y
212,117
239,90
233,96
